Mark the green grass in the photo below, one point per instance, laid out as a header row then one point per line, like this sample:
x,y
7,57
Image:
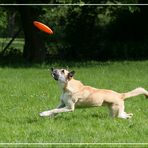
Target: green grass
x,y
24,92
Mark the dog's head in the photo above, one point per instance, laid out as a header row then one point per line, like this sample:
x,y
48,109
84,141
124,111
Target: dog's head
x,y
62,75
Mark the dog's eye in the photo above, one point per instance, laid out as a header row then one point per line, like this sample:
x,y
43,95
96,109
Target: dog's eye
x,y
62,71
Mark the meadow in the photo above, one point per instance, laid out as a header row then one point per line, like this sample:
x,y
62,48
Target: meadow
x,y
18,43
27,91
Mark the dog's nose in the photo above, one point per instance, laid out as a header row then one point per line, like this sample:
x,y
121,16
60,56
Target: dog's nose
x,y
55,74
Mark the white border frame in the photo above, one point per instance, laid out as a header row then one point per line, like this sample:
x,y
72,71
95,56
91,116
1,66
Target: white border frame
x,y
75,4
74,144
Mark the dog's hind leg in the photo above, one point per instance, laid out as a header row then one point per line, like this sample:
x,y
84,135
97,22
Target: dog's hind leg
x,y
113,110
121,113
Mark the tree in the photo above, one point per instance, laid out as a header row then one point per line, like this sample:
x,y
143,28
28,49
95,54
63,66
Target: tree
x,y
87,31
34,49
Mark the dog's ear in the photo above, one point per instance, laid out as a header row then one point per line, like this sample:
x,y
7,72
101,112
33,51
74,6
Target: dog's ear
x,y
71,74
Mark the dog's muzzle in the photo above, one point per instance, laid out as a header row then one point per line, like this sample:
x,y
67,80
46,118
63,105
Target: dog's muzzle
x,y
55,76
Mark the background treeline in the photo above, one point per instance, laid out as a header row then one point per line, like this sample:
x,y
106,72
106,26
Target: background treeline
x,y
80,32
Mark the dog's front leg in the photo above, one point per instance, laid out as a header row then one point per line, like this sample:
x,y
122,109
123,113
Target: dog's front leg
x,y
61,105
57,110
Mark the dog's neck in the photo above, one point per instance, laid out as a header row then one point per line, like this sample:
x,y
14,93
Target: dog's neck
x,y
71,86
62,85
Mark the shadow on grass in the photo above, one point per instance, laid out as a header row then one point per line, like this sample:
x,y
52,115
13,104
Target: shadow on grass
x,y
16,60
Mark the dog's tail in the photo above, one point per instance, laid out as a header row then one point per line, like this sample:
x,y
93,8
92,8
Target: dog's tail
x,y
135,92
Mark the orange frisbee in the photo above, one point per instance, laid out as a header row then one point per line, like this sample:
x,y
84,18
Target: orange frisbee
x,y
42,27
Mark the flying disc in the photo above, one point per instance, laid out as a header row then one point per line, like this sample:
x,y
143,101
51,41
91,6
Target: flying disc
x,y
42,27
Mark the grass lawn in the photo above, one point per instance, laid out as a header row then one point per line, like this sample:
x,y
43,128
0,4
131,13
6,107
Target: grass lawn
x,y
25,92
18,43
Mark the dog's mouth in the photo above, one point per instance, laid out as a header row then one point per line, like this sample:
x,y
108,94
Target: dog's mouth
x,y
55,76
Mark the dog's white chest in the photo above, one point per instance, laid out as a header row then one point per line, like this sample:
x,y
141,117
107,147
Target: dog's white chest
x,y
66,97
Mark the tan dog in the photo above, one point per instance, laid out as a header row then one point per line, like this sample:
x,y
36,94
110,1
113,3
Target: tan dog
x,y
74,94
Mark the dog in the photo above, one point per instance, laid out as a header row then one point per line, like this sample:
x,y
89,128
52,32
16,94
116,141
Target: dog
x,y
76,94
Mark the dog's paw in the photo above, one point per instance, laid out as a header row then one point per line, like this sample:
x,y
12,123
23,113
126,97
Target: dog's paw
x,y
45,113
129,115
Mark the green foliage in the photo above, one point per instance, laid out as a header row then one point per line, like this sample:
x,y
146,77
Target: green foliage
x,y
3,21
88,31
92,32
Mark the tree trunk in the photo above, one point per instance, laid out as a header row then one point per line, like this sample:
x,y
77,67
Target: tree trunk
x,y
11,22
34,48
